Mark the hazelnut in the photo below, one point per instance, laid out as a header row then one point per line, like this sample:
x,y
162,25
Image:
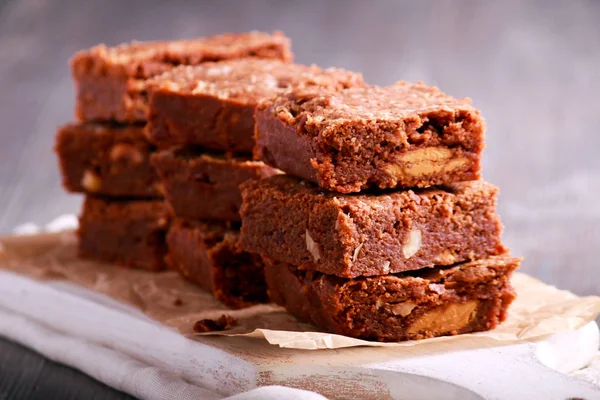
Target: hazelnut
x,y
312,247
413,244
356,251
91,181
386,267
403,309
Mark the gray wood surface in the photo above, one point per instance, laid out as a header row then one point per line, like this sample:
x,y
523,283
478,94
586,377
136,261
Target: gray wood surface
x,y
532,67
25,374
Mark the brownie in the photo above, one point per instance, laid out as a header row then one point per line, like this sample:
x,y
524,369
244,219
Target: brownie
x,y
111,81
401,136
213,104
127,233
206,253
106,159
463,298
205,185
294,221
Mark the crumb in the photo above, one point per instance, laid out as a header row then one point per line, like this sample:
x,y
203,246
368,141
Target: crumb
x,y
177,301
222,323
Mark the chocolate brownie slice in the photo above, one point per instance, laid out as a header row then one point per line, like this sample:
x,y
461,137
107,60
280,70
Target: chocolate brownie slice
x,y
213,104
111,81
206,253
127,233
401,136
205,185
106,159
464,298
294,221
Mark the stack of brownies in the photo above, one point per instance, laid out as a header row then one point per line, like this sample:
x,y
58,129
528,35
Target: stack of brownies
x,y
358,208
106,155
382,228
202,120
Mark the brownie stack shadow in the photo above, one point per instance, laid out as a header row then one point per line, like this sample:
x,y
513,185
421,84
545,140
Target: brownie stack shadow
x,y
106,154
382,228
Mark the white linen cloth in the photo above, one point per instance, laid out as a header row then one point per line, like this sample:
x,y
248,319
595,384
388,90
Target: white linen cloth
x,y
107,364
60,321
96,350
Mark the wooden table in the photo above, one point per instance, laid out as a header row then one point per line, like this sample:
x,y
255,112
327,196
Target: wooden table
x,y
531,68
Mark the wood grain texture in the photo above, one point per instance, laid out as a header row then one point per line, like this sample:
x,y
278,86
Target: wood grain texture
x,y
25,374
531,67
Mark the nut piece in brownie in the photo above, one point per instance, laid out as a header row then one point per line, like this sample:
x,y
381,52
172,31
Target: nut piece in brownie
x,y
294,221
127,233
206,253
464,298
401,136
205,185
111,81
213,104
106,159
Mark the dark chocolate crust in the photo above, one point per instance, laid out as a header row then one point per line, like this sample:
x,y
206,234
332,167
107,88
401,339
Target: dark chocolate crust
x,y
212,105
204,185
465,298
205,253
127,233
106,159
296,222
400,136
111,81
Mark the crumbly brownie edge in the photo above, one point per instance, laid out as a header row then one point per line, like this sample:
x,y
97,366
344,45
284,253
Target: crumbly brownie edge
x,y
353,235
179,119
472,297
206,186
130,234
106,160
205,253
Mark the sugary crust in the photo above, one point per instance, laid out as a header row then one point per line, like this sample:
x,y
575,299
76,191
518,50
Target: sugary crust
x,y
106,159
127,233
401,136
111,81
205,185
296,222
206,254
464,298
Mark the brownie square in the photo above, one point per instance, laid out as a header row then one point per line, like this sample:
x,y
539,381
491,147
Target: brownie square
x,y
401,136
296,222
205,253
213,104
106,159
127,233
111,81
205,185
464,298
